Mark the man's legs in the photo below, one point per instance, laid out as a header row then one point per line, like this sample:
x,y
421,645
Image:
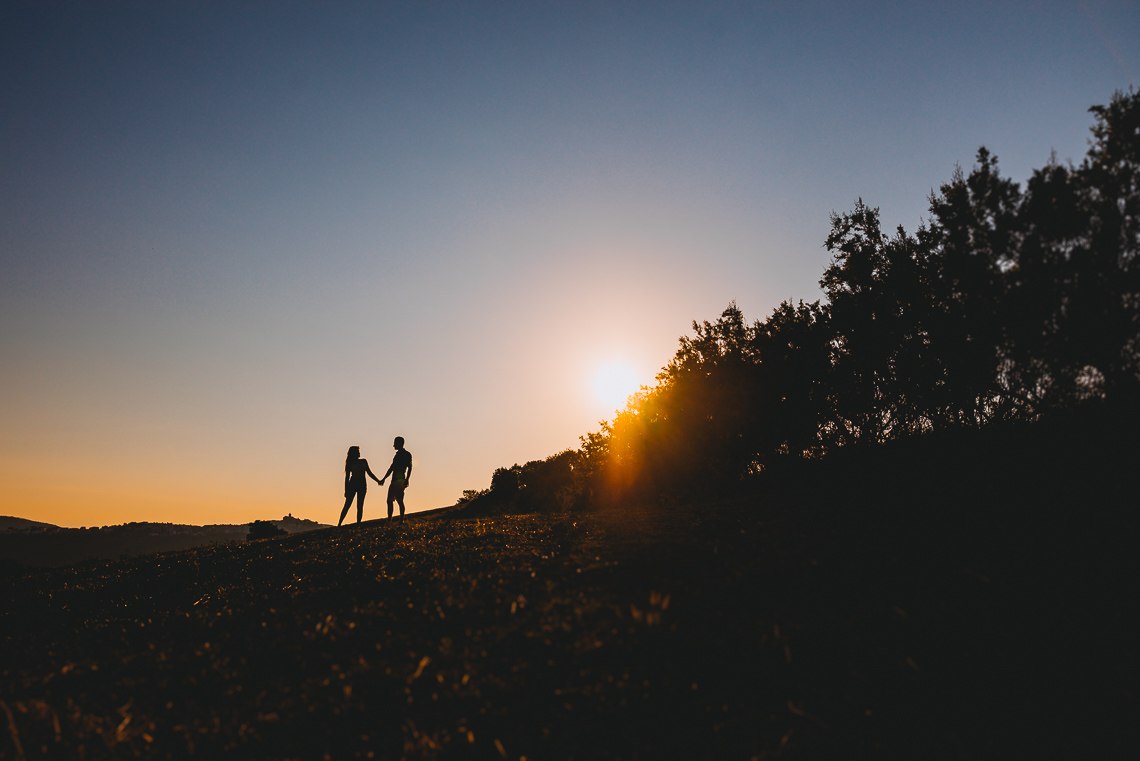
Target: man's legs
x,y
396,494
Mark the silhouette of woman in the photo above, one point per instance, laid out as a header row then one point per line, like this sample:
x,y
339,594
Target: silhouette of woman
x,y
355,484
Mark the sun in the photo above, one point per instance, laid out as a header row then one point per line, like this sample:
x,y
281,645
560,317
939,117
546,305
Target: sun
x,y
613,383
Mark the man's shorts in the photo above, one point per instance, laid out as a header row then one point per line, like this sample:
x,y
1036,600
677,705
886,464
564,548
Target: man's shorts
x,y
396,491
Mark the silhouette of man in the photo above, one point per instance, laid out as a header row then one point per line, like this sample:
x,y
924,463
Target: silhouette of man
x,y
401,470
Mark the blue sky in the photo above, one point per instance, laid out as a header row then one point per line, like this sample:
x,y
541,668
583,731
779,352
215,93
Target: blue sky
x,y
237,238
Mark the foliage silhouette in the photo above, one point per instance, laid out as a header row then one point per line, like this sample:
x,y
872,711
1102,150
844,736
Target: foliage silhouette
x,y
1005,305
264,530
505,482
556,482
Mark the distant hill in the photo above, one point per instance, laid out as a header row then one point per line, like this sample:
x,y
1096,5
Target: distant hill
x,y
30,543
12,522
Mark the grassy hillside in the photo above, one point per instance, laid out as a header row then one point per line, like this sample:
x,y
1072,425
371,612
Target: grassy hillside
x,y
961,597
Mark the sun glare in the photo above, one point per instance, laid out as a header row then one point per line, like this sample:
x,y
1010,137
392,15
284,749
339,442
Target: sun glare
x,y
613,383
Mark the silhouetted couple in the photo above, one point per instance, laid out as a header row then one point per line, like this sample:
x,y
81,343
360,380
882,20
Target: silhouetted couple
x,y
356,484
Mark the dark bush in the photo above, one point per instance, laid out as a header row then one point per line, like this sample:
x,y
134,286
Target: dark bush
x,y
264,530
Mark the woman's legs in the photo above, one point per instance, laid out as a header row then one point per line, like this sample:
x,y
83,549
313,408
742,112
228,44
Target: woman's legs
x,y
359,495
344,512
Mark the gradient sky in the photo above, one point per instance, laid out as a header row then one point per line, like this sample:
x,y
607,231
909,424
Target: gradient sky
x,y
237,238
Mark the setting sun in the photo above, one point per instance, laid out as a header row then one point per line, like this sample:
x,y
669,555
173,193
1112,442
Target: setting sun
x,y
613,383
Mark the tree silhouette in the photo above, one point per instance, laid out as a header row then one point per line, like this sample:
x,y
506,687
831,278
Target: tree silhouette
x,y
1003,305
1076,274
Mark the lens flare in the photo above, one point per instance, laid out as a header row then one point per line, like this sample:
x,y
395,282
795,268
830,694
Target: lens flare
x,y
613,383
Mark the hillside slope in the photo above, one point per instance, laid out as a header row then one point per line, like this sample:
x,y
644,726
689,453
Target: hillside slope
x,y
11,522
962,597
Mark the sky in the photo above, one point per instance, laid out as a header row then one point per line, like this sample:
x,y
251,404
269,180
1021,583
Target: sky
x,y
238,238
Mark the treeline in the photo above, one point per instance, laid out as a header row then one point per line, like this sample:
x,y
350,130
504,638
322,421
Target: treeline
x,y
1007,304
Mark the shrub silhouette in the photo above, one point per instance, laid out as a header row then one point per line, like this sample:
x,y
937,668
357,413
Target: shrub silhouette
x,y
264,530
